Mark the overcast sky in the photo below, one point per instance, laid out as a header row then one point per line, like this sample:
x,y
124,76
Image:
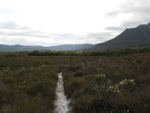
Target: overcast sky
x,y
54,22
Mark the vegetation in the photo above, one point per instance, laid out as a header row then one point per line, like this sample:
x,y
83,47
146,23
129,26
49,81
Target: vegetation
x,y
86,53
76,53
27,85
109,82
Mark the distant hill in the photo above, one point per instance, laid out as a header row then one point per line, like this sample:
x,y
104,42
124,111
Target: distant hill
x,y
13,48
130,38
70,47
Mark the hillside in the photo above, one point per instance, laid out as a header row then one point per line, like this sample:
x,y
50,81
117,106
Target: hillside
x,y
130,38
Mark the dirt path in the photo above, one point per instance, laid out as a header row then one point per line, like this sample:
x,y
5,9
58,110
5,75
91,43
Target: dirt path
x,y
61,103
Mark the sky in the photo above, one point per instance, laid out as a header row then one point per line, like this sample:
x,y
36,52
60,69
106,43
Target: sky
x,y
56,22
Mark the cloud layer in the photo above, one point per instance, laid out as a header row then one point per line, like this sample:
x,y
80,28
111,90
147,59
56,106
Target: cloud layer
x,y
137,12
11,33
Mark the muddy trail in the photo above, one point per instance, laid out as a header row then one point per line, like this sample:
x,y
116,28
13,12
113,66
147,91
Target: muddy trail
x,y
61,103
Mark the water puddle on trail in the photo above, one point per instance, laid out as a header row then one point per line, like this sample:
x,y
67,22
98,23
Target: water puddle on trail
x,y
61,103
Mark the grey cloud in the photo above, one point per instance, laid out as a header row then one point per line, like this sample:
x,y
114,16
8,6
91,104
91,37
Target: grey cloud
x,y
8,25
115,28
26,34
11,25
113,13
100,37
80,39
132,6
67,36
139,9
127,24
131,24
6,10
12,29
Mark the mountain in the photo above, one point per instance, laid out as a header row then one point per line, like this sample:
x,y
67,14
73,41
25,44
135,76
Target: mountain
x,y
70,47
130,38
13,48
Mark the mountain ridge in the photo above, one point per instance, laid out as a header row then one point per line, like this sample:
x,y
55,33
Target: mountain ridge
x,y
65,47
130,38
